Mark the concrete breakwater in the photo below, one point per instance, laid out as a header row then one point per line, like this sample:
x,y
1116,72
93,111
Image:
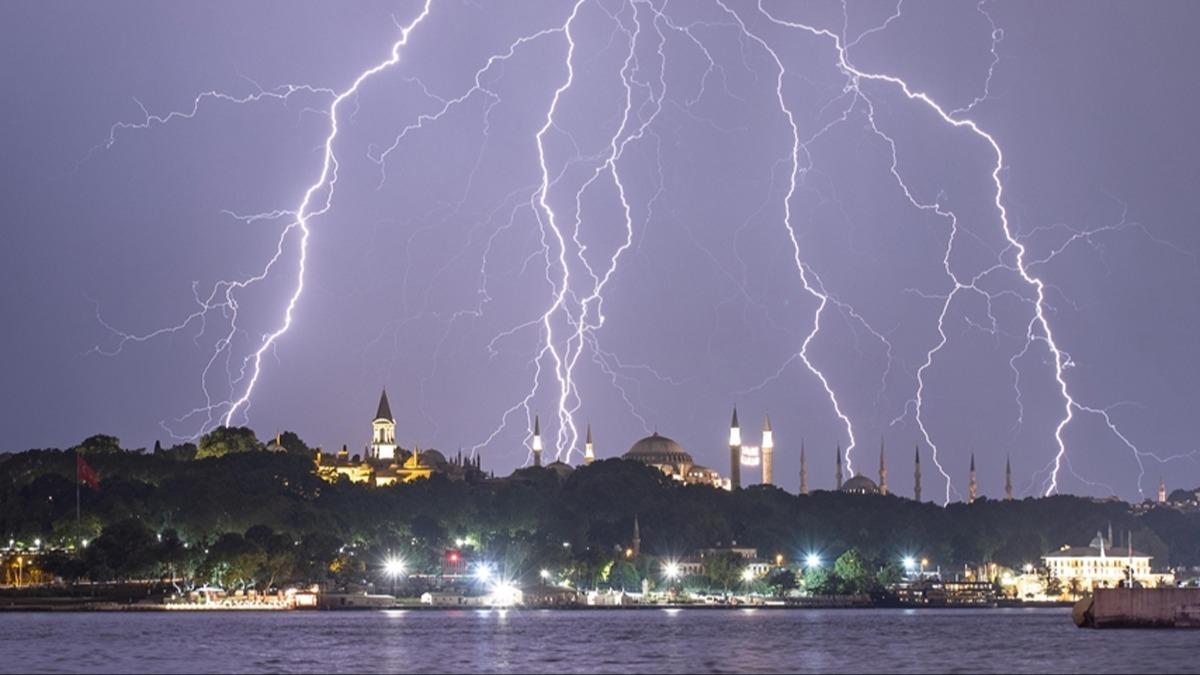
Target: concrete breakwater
x,y
1139,608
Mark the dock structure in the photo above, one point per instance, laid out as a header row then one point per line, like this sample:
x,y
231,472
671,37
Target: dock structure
x,y
1139,608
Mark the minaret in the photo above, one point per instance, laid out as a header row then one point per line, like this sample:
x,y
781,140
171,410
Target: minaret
x,y
839,466
589,455
1162,491
537,441
383,431
917,475
883,488
1008,495
972,486
637,538
768,452
735,453
803,470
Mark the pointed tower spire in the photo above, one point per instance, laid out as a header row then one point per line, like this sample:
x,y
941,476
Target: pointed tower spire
x,y
1162,491
383,431
589,454
768,452
839,466
735,452
972,486
803,470
1008,488
883,487
917,475
537,441
637,538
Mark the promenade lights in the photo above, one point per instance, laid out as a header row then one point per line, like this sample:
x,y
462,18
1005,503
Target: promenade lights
x,y
748,575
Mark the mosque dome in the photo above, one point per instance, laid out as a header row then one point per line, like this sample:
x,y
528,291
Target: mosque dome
x,y
561,469
860,485
432,458
659,451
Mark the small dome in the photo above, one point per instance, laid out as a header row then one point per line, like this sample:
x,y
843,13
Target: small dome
x,y
561,468
860,484
432,458
658,450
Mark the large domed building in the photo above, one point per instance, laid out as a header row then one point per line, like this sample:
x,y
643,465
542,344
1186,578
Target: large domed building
x,y
669,457
861,485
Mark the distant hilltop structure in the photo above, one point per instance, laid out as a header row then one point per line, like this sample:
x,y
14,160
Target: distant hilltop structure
x,y
384,462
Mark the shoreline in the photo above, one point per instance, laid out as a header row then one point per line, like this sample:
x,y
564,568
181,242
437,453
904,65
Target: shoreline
x,y
146,607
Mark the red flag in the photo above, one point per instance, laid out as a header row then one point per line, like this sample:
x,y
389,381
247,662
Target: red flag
x,y
84,473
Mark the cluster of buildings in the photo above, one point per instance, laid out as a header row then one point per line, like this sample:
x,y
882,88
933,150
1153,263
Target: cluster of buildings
x,y
383,462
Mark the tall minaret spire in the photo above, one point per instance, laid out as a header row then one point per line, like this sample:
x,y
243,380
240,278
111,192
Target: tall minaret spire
x,y
803,470
1162,491
735,452
537,441
768,452
637,538
972,486
589,454
917,475
883,488
839,465
1008,489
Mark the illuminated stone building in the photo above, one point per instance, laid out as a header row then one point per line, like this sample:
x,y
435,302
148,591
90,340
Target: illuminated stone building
x,y
669,457
385,463
1081,569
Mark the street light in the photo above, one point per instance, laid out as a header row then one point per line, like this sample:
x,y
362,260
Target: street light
x,y
671,570
483,572
545,574
910,564
394,567
812,561
748,575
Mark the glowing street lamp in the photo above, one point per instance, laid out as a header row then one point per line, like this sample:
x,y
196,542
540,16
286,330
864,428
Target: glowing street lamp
x,y
812,561
910,564
748,575
394,567
545,574
483,572
671,570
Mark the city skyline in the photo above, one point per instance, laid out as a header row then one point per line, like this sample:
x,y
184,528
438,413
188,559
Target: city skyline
x,y
437,268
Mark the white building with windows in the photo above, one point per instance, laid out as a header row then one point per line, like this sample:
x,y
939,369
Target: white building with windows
x,y
1101,565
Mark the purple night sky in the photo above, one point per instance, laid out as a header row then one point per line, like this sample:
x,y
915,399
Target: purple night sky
x,y
432,270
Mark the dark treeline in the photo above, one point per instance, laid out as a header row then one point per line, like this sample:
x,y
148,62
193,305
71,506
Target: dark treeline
x,y
242,516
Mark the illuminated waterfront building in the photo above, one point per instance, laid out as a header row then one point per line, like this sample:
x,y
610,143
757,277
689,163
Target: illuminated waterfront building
x,y
1081,569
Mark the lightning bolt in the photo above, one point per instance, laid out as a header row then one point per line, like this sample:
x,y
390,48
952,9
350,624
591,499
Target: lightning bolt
x,y
1038,329
317,200
571,322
